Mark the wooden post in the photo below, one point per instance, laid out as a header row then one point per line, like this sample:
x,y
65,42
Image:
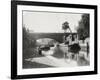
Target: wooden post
x,y
87,49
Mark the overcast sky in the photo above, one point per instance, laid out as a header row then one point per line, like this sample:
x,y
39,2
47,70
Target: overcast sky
x,y
49,22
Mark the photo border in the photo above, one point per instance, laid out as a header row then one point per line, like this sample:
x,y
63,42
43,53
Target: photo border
x,y
14,38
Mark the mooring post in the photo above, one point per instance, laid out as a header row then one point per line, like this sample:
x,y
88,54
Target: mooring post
x,y
87,49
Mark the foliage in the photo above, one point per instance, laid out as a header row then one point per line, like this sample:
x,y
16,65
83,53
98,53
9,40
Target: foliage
x,y
65,26
27,40
84,26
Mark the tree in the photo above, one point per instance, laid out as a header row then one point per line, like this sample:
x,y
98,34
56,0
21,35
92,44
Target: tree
x,y
25,38
83,27
28,41
65,26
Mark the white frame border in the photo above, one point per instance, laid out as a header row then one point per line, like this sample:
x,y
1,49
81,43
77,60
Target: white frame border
x,y
21,71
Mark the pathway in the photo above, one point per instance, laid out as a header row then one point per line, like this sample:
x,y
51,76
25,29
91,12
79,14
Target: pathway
x,y
52,61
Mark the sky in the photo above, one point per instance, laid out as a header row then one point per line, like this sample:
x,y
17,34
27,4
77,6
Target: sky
x,y
49,22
